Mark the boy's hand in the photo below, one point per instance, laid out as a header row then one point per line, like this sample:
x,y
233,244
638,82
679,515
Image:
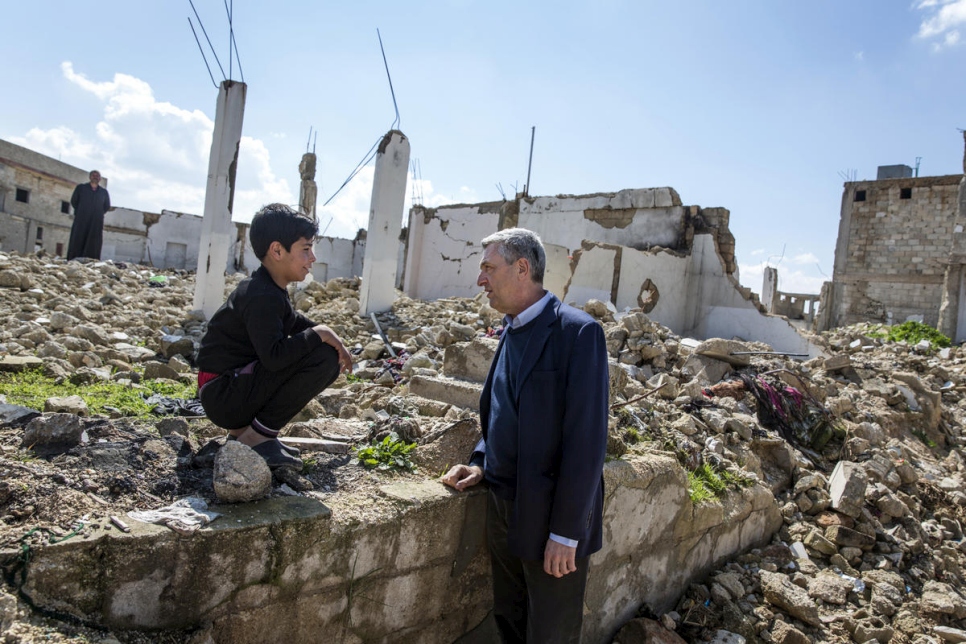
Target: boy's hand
x,y
330,338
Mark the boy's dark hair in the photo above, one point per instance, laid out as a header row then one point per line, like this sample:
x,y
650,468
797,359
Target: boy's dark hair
x,y
281,223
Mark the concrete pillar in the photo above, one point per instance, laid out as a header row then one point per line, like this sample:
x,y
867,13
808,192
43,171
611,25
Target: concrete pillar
x,y
309,190
378,292
769,288
217,231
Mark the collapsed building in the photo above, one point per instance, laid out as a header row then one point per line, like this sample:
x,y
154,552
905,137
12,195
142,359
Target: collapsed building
x,y
900,253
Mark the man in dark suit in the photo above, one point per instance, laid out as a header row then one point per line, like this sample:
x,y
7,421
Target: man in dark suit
x,y
543,413
90,202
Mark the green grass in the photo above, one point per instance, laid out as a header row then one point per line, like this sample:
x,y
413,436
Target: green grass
x,y
31,388
707,483
388,454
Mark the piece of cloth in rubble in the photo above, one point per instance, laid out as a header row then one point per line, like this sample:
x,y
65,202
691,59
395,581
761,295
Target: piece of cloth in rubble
x,y
164,406
184,515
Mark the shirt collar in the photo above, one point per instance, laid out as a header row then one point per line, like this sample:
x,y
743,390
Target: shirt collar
x,y
529,314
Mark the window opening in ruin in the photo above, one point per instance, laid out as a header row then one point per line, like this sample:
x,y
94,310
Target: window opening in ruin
x,y
65,207
860,195
23,196
40,233
905,193
60,249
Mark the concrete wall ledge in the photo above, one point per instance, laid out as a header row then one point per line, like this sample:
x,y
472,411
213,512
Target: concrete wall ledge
x,y
405,562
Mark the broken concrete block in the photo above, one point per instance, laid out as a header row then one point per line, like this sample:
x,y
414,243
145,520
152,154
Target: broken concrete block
x,y
725,350
781,592
817,541
67,404
53,434
470,361
705,369
847,488
846,537
447,390
19,363
173,345
837,362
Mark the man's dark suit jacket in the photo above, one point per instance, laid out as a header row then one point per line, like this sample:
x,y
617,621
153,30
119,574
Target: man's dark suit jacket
x,y
562,402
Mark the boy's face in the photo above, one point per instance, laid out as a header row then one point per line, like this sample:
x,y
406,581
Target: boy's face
x,y
295,264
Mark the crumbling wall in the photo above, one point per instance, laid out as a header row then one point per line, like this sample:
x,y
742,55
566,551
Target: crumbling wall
x,y
689,293
337,257
893,246
415,569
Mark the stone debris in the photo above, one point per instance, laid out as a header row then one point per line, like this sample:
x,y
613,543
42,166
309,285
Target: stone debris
x,y
240,474
862,448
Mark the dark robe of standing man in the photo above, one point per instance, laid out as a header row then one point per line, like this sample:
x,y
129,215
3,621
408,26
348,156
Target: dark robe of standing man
x,y
90,202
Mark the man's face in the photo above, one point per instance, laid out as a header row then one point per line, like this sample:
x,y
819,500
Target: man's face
x,y
95,177
296,263
500,280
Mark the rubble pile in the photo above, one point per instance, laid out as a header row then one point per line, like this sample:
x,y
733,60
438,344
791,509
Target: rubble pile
x,y
862,448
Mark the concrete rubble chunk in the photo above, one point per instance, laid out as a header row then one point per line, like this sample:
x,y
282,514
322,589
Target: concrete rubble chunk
x,y
950,634
53,434
784,633
646,631
846,537
19,363
939,598
829,588
725,350
67,405
847,488
16,415
240,475
782,593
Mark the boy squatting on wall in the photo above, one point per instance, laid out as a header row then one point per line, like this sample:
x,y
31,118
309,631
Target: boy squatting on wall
x,y
260,361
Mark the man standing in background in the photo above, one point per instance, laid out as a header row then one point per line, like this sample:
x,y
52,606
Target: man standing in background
x,y
90,202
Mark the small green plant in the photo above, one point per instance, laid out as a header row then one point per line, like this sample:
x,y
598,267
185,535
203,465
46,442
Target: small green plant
x,y
708,483
390,453
921,435
31,388
351,377
915,332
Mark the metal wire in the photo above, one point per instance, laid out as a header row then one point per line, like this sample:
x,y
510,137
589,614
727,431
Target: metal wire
x,y
213,53
201,49
231,28
395,124
365,161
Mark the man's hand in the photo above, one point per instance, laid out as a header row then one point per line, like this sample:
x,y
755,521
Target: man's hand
x,y
461,477
558,559
330,338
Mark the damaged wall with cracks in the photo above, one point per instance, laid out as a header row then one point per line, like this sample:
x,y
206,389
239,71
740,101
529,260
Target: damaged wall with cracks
x,y
634,248
284,570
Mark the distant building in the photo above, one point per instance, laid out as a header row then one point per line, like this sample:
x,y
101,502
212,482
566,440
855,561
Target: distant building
x,y
896,256
35,215
35,191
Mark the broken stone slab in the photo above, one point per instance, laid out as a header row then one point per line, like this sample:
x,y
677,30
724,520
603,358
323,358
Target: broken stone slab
x,y
837,362
316,444
725,350
847,488
941,598
705,369
950,634
174,345
169,426
448,390
15,415
784,633
240,475
817,541
846,537
67,405
16,364
154,370
470,361
53,434
417,492
829,588
779,591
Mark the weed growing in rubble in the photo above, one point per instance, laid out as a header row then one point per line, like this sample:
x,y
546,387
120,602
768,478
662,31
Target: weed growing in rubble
x,y
390,453
707,483
912,333
31,388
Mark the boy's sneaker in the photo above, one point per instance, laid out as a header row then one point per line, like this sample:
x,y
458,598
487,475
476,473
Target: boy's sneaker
x,y
291,449
275,455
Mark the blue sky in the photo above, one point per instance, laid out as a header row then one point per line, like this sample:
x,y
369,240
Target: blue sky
x,y
757,106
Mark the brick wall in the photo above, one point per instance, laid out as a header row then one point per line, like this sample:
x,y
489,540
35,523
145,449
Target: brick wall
x,y
898,243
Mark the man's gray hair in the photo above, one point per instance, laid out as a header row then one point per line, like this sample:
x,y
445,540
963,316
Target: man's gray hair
x,y
514,243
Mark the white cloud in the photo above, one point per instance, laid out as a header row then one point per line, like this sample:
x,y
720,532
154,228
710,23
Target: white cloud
x,y
942,21
859,55
804,258
757,252
155,154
